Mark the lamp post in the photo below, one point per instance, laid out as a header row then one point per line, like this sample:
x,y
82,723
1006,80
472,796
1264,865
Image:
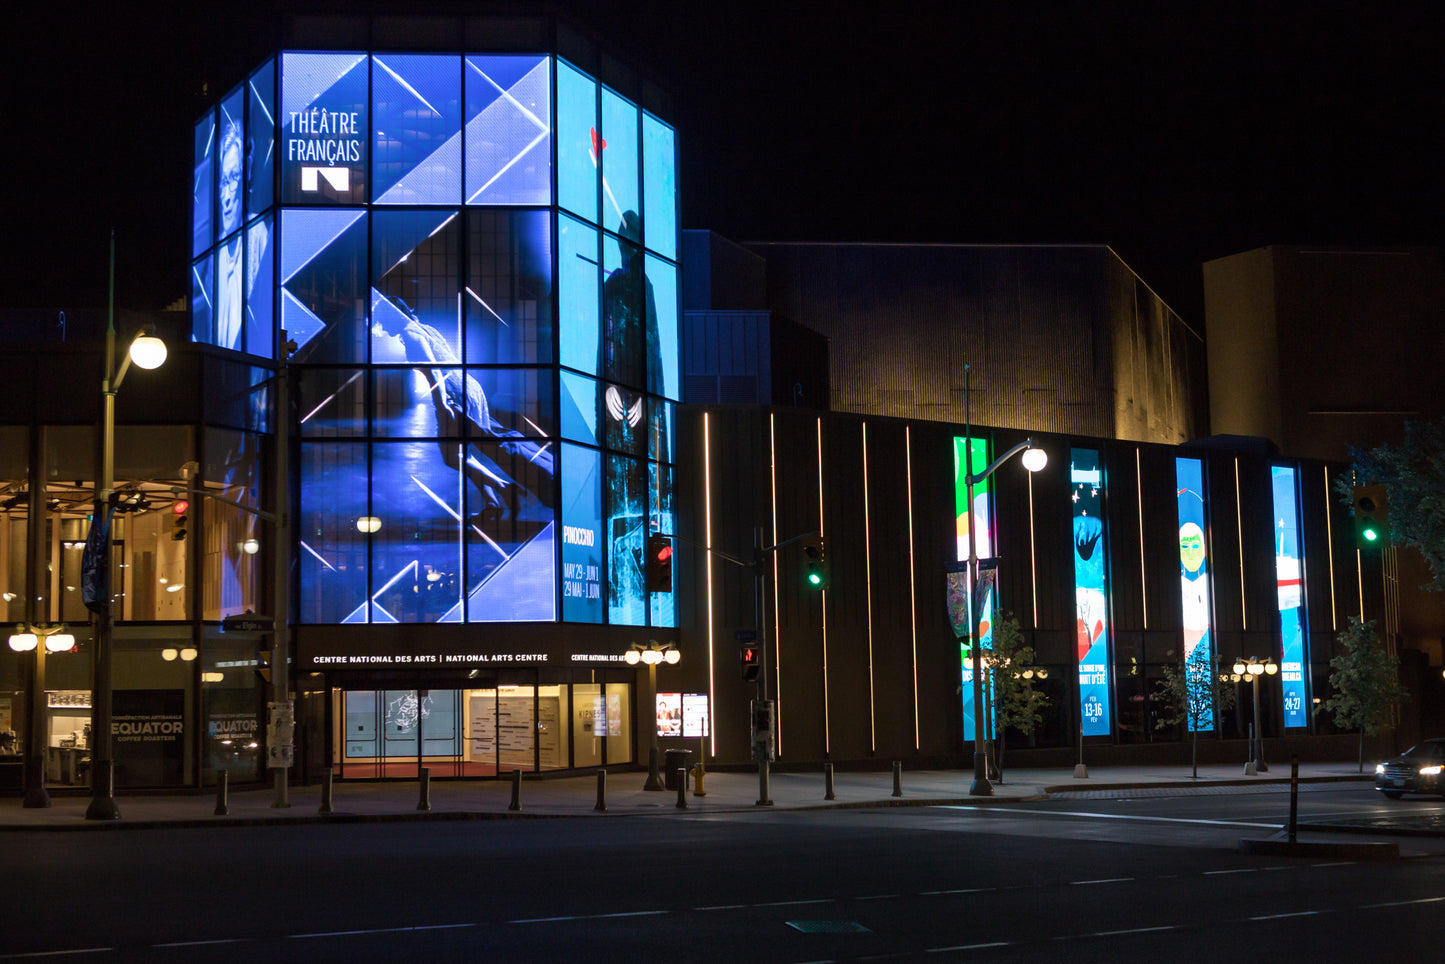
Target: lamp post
x,y
57,640
652,654
146,351
1034,459
1250,670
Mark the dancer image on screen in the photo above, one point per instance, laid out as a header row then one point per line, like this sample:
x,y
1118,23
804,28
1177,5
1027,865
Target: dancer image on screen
x,y
462,410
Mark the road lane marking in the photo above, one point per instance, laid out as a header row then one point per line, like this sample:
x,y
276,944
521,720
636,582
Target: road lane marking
x,y
1298,913
1241,870
78,950
1134,930
964,947
1102,880
549,920
1402,903
963,890
879,897
722,907
223,940
793,903
1117,816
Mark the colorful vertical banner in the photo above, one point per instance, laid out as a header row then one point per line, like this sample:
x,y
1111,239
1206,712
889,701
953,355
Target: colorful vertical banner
x,y
1194,582
971,454
1091,591
1288,574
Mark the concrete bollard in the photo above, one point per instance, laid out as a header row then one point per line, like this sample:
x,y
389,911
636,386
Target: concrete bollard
x,y
325,792
516,803
828,782
681,789
898,778
223,780
601,791
425,802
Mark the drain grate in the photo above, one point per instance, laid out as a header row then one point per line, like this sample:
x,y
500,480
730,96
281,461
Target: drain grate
x,y
828,927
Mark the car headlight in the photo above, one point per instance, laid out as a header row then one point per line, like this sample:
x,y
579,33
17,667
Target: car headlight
x,y
1431,771
1379,769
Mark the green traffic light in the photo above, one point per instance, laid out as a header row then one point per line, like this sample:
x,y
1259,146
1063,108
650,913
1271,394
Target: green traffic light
x,y
1370,535
815,578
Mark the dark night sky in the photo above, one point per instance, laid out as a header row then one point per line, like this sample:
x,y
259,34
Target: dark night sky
x,y
1174,132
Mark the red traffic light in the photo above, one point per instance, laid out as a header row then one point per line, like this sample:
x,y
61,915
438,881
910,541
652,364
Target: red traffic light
x,y
180,507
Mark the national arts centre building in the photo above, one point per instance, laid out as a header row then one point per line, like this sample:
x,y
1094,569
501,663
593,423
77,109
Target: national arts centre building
x,y
463,265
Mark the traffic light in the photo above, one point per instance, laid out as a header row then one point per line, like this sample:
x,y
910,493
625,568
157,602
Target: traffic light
x,y
659,563
263,664
1372,517
815,559
751,660
178,522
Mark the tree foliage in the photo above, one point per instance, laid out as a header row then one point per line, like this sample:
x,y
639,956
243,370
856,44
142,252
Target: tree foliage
x,y
1366,681
1016,703
1413,474
1190,693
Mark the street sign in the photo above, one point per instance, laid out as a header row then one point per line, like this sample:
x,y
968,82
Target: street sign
x,y
248,623
746,635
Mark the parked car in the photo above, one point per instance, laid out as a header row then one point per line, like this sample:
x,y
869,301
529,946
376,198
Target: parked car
x,y
1420,769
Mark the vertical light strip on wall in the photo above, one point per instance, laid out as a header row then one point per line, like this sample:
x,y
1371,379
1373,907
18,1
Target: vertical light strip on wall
x,y
1330,538
912,588
1239,527
868,587
827,719
707,538
777,622
1033,554
1143,568
1360,582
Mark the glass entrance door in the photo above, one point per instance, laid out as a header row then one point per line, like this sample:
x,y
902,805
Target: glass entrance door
x,y
390,734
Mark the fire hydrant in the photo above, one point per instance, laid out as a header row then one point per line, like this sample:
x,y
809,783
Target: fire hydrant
x,y
697,775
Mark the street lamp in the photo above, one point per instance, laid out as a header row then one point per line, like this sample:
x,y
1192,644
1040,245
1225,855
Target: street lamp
x,y
57,640
1034,459
652,654
146,351
1250,670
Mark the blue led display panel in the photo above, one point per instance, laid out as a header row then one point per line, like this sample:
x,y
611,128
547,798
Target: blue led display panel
x,y
415,257
579,409
324,123
626,505
1289,580
335,527
507,298
261,140
323,261
579,290
508,129
202,291
582,541
619,160
579,143
659,186
416,118
1197,607
202,179
663,349
663,607
1091,590
260,303
971,522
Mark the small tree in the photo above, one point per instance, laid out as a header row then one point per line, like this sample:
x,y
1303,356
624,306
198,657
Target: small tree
x,y
1366,681
1015,701
1192,692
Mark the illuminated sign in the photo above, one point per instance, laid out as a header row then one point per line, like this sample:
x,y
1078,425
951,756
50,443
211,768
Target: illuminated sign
x,y
1091,590
975,521
1289,580
1194,577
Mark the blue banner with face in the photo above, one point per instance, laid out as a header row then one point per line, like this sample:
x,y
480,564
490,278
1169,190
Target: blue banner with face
x,y
1091,591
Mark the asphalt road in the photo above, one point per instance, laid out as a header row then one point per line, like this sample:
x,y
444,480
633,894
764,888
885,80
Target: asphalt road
x,y
1082,878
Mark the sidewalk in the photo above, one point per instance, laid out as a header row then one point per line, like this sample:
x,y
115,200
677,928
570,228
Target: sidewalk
x,y
577,796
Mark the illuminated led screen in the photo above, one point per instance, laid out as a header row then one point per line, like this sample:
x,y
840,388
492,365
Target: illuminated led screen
x,y
1194,579
1289,579
1091,590
392,213
978,522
